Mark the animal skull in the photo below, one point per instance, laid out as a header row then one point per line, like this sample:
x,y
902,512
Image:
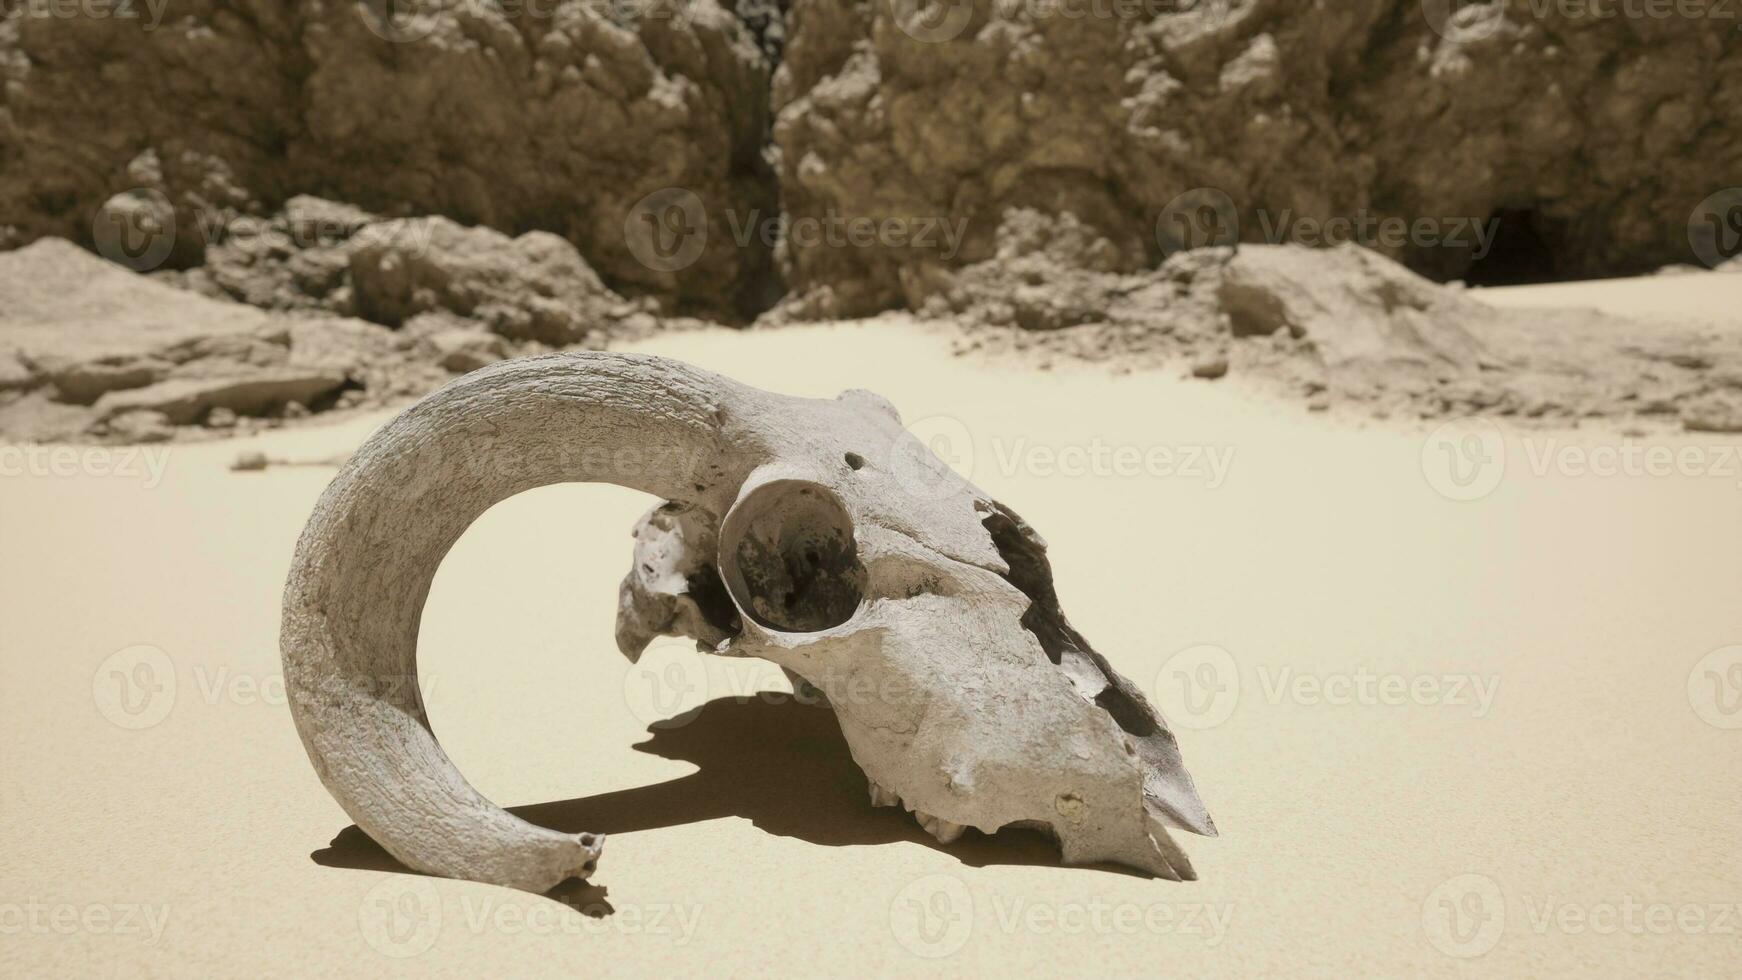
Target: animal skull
x,y
818,535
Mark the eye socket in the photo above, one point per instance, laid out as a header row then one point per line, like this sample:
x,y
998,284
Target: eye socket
x,y
788,558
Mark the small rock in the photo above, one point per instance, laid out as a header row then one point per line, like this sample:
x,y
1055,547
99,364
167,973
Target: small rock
x,y
13,373
461,351
249,462
221,418
294,410
141,425
1211,368
1713,413
185,400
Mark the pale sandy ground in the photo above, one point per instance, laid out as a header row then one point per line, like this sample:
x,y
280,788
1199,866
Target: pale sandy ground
x,y
1561,793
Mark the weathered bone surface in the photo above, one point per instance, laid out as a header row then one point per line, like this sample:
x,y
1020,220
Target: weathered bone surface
x,y
815,534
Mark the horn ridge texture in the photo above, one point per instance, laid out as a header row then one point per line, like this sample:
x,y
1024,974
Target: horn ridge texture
x,y
365,561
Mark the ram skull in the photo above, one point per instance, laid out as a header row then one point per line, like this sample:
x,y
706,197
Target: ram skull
x,y
817,534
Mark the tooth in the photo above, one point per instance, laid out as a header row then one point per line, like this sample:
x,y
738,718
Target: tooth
x,y
943,830
883,797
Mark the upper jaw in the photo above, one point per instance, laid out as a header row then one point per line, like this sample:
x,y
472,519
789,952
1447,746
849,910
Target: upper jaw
x,y
962,691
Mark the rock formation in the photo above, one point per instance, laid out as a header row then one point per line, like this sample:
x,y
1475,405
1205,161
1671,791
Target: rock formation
x,y
1586,143
557,117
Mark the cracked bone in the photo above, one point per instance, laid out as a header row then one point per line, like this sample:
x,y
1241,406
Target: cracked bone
x,y
816,534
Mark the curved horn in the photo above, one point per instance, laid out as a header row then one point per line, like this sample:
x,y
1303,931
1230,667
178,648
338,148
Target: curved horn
x,y
365,561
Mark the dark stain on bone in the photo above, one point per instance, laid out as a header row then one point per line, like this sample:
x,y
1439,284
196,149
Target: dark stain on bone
x,y
1031,573
715,604
1167,786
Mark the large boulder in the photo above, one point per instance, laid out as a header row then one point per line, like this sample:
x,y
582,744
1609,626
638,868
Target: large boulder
x,y
320,255
1577,145
86,344
86,326
147,135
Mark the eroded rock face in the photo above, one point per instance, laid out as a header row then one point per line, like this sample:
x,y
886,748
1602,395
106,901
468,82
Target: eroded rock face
x,y
1595,140
557,117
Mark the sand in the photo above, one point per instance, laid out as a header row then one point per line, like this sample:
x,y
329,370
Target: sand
x,y
1439,735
